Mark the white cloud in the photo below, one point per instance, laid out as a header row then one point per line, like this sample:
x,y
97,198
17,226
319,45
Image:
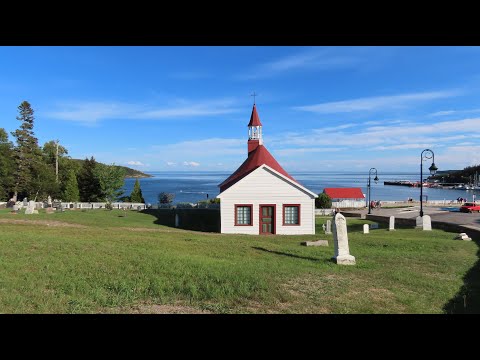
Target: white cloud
x,y
403,147
314,58
91,113
450,112
171,163
376,103
136,163
296,151
191,163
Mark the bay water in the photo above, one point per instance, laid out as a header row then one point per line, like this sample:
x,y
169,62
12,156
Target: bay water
x,y
194,186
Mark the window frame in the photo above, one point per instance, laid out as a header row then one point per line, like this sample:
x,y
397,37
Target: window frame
x,y
251,214
299,213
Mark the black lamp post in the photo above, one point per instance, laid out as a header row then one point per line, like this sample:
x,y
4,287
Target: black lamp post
x,y
433,169
376,180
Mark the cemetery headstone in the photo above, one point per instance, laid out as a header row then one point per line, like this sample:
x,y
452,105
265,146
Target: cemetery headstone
x,y
391,225
418,222
463,236
366,229
315,243
49,201
340,241
427,222
25,202
329,227
30,208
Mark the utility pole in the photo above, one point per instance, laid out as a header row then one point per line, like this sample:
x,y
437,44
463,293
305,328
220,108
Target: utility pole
x,y
56,162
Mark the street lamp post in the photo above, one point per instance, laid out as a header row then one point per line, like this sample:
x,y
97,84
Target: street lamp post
x,y
433,169
368,190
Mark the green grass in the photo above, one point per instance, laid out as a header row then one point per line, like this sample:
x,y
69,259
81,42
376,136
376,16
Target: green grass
x,y
101,261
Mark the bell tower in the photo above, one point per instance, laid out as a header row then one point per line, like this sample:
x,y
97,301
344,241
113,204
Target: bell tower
x,y
254,131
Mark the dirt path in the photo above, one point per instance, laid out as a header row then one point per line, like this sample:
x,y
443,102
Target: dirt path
x,y
41,222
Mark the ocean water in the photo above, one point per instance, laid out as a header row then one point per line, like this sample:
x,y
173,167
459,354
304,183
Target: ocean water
x,y
195,186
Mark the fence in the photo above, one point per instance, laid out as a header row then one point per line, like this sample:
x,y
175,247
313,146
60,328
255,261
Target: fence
x,y
324,212
349,204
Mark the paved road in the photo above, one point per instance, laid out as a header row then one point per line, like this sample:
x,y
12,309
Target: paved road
x,y
435,212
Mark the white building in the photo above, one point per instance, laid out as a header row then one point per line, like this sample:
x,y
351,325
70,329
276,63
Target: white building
x,y
260,197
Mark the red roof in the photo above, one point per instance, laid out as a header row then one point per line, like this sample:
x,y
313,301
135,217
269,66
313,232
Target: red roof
x,y
255,159
254,119
344,193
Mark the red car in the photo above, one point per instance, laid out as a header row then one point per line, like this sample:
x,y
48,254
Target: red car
x,y
470,207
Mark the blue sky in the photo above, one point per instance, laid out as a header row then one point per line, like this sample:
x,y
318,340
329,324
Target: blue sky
x,y
187,108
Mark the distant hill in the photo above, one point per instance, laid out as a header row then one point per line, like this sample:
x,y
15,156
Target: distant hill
x,y
130,173
466,175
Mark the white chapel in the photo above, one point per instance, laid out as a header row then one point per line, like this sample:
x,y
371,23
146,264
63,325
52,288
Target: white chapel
x,y
260,197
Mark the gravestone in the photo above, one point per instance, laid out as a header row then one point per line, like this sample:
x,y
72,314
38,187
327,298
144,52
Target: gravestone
x,y
463,236
30,208
340,241
427,222
49,210
15,209
418,222
366,229
315,243
49,201
324,227
25,202
374,226
391,225
363,216
329,227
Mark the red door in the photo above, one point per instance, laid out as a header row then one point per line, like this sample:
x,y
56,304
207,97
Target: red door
x,y
267,219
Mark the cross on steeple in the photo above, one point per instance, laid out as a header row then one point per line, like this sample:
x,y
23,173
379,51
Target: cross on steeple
x,y
254,94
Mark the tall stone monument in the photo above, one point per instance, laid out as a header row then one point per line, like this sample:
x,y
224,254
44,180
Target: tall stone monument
x,y
340,241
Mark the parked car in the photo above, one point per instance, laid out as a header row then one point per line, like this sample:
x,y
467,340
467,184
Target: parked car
x,y
470,207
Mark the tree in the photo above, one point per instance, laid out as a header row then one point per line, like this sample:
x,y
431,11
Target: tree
x,y
88,182
7,166
323,201
112,181
136,195
165,198
71,193
27,151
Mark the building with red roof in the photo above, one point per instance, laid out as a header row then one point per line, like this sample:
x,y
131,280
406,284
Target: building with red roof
x,y
260,197
339,194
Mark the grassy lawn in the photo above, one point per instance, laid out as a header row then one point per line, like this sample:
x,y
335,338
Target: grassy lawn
x,y
100,261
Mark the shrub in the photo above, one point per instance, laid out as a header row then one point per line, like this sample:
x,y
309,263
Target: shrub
x,y
184,205
165,198
323,201
109,206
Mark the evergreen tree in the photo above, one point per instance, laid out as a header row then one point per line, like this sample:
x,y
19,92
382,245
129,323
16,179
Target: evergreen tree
x,y
27,151
112,181
323,201
136,195
71,192
88,182
7,167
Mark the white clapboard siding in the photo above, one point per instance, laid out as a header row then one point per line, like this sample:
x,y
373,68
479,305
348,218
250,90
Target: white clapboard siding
x,y
265,187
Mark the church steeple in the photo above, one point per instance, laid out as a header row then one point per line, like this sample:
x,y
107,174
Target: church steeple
x,y
254,131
